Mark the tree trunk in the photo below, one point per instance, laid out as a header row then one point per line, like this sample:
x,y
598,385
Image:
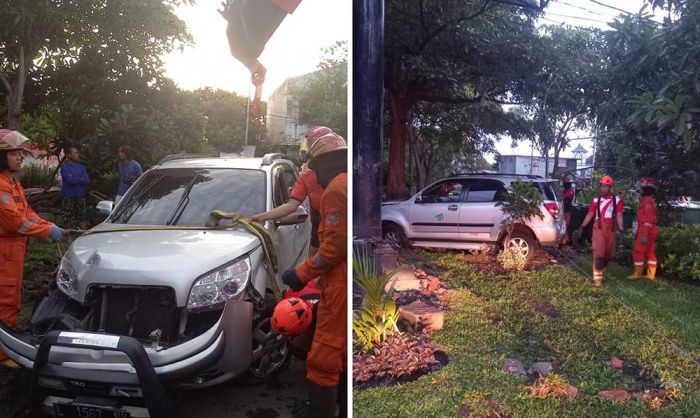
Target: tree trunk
x,y
399,110
15,91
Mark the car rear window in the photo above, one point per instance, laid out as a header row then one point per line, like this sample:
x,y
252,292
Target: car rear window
x,y
186,197
549,190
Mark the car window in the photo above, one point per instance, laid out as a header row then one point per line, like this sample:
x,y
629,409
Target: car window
x,y
186,197
485,190
280,194
444,192
548,190
289,179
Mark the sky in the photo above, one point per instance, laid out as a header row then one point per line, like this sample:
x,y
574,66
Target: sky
x,y
584,13
294,49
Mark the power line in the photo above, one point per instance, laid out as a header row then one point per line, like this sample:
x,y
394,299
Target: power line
x,y
612,7
579,18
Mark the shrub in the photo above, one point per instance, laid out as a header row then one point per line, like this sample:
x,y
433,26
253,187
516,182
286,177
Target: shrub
x,y
378,315
35,175
677,250
512,259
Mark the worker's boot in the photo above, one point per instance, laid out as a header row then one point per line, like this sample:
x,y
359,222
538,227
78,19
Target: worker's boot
x,y
322,401
598,278
343,396
651,272
638,270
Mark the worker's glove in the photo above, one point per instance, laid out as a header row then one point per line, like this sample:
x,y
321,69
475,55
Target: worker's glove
x,y
291,279
56,233
643,239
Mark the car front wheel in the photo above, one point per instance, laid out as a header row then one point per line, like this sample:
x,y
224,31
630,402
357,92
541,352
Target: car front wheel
x,y
270,352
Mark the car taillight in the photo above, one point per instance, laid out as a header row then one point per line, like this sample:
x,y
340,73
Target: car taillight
x,y
553,209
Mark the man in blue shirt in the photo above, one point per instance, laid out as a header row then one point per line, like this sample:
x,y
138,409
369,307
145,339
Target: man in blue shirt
x,y
75,180
129,171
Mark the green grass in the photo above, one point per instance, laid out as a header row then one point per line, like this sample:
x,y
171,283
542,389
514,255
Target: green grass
x,y
494,318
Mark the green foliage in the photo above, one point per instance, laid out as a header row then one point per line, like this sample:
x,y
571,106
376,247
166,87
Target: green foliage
x,y
512,259
377,317
678,251
520,202
36,175
323,100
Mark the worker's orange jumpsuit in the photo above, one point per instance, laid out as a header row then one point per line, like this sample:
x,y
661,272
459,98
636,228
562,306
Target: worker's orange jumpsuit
x,y
307,186
325,362
604,232
646,231
17,223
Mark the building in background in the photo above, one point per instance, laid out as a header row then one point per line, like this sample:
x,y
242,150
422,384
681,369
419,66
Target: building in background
x,y
533,165
282,118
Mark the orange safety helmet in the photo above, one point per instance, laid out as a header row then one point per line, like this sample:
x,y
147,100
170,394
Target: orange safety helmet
x,y
647,182
607,181
291,317
13,140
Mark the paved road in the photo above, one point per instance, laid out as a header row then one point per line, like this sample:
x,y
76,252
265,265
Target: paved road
x,y
240,399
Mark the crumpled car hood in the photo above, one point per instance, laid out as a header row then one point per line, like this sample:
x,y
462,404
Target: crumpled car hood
x,y
172,258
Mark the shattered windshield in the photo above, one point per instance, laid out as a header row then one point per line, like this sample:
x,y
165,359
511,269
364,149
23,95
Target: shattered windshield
x,y
186,197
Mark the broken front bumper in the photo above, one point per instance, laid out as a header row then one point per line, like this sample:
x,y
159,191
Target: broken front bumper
x,y
220,353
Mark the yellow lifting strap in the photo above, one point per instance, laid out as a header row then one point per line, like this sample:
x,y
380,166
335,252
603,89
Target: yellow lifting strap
x,y
213,224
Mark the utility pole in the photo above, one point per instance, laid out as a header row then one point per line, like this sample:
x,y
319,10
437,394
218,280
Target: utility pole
x,y
247,116
368,92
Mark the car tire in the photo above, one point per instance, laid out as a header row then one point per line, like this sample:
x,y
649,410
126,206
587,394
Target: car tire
x,y
394,236
525,241
254,374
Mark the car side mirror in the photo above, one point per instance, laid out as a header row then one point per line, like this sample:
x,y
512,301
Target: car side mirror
x,y
300,215
105,207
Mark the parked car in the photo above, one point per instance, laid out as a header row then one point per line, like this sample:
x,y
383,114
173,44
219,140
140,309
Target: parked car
x,y
460,212
192,305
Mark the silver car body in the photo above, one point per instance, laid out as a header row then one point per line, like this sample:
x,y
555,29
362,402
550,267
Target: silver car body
x,y
174,259
465,223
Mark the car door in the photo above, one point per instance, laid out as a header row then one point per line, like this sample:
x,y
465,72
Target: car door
x,y
289,245
302,231
434,216
480,218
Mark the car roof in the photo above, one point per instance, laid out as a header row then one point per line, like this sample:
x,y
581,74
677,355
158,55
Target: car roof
x,y
222,162
504,177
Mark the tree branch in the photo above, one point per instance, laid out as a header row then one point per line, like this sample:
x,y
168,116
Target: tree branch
x,y
431,37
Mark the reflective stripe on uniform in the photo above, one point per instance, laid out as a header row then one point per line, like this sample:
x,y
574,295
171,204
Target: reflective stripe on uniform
x,y
651,263
318,261
25,227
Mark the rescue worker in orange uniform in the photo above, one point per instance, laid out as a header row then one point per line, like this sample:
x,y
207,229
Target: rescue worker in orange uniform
x,y
326,360
606,213
568,195
305,186
645,243
18,222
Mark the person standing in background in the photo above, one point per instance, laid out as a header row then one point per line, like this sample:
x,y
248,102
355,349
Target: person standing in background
x,y
75,180
129,171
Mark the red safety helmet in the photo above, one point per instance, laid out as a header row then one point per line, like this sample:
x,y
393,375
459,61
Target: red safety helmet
x,y
291,317
607,181
13,140
647,182
317,132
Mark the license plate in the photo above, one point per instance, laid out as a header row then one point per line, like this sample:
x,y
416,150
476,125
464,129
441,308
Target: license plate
x,y
86,411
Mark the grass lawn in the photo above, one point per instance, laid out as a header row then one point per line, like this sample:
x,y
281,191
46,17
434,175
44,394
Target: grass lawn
x,y
579,329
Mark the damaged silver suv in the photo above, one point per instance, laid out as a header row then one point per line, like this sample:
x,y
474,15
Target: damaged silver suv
x,y
136,311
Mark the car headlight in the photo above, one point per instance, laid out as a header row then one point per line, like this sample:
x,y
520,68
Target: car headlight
x,y
220,285
66,279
